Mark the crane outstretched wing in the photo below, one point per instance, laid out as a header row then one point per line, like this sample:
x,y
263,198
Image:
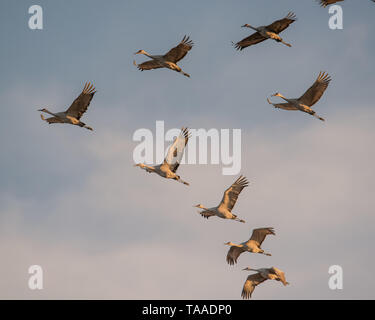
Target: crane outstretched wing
x,y
231,194
249,41
285,105
82,102
260,234
280,274
177,53
282,24
176,150
315,92
325,3
51,119
206,213
233,254
148,65
251,282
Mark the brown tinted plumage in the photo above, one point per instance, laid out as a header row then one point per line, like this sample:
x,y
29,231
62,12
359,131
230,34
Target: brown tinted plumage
x,y
251,245
275,27
260,234
260,276
325,3
308,99
285,105
179,52
280,25
206,214
148,65
249,41
233,254
251,282
279,275
315,92
82,102
231,194
169,60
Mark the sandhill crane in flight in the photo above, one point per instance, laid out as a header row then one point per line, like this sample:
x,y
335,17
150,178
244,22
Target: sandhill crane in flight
x,y
172,161
224,209
75,111
267,32
260,276
308,99
169,60
252,245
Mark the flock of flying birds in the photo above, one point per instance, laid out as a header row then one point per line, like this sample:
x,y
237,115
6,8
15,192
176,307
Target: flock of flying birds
x,y
175,153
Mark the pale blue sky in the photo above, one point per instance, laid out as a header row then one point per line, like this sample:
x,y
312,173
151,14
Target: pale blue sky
x,y
71,201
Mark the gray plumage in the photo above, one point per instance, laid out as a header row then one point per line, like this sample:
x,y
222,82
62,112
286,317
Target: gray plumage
x,y
260,276
308,99
252,245
173,159
74,113
267,32
169,60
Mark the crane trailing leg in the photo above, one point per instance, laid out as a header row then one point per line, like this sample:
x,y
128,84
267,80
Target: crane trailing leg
x,y
313,113
185,74
182,181
237,219
279,39
265,253
287,44
83,125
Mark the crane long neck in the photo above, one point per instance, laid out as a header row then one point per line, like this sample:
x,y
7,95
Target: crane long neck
x,y
145,166
51,113
282,97
149,55
254,28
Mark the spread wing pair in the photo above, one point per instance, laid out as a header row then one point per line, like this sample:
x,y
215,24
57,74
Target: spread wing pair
x,y
255,279
275,27
174,55
257,237
312,95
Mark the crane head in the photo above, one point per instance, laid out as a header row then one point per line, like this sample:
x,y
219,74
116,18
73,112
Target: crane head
x,y
199,206
247,269
246,26
43,110
140,52
277,94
